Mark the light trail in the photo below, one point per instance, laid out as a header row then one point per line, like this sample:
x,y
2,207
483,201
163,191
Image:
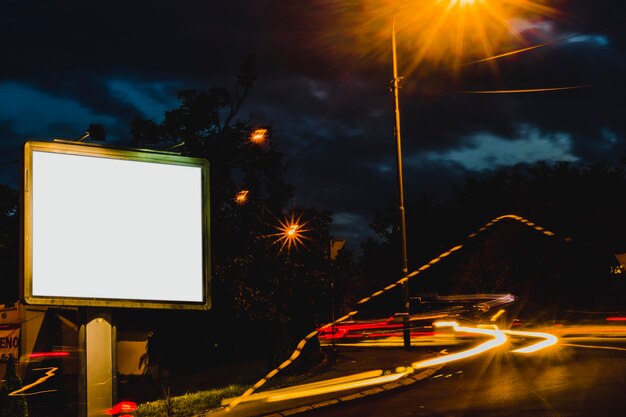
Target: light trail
x,y
594,347
498,339
403,280
299,393
497,315
311,386
590,330
49,374
377,377
549,340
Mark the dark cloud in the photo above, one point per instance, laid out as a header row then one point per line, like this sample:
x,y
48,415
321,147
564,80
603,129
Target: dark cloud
x,y
325,72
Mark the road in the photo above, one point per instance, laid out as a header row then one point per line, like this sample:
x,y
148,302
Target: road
x,y
566,381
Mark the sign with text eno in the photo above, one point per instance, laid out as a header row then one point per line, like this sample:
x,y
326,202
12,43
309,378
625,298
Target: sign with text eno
x,y
9,343
109,227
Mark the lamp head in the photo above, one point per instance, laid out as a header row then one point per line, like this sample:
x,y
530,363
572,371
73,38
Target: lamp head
x,y
96,132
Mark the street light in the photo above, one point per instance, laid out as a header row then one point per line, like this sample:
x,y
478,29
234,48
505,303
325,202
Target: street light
x,y
398,136
259,136
495,16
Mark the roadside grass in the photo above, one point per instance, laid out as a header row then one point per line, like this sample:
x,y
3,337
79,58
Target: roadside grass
x,y
190,404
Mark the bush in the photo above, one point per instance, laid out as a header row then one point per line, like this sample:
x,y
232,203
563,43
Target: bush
x,y
12,406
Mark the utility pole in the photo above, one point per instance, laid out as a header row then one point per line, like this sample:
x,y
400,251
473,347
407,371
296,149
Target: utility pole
x,y
398,137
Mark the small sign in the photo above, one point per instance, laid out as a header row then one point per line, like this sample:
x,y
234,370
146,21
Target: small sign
x,y
9,343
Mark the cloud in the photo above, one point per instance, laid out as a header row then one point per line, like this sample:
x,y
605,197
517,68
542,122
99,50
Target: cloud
x,y
151,99
37,114
486,152
323,87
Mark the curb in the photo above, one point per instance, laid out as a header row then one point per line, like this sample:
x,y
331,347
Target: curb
x,y
409,380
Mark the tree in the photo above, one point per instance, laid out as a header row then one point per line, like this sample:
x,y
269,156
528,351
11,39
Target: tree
x,y
259,292
582,202
12,406
9,245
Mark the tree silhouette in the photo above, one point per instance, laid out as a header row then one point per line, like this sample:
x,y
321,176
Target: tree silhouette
x,y
582,204
9,245
259,292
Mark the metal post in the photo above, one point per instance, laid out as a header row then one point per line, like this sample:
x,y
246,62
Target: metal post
x,y
97,376
405,267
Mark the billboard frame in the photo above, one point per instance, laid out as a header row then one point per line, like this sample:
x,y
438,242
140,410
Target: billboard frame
x,y
118,153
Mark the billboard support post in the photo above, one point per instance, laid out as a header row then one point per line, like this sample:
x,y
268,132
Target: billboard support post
x,y
97,386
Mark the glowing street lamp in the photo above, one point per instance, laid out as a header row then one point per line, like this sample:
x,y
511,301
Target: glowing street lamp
x,y
449,6
241,197
259,136
290,233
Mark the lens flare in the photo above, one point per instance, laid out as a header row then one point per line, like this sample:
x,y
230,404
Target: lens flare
x,y
431,33
259,136
290,233
241,197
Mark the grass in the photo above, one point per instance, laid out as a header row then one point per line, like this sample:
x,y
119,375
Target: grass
x,y
187,405
190,404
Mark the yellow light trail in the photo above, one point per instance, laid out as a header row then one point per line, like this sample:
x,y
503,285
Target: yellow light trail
x,y
310,386
498,338
497,315
325,389
376,377
594,347
49,374
549,340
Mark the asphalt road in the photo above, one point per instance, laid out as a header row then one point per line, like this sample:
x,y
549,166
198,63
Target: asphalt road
x,y
566,381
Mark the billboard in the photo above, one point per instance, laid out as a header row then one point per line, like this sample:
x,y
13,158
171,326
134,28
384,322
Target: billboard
x,y
109,227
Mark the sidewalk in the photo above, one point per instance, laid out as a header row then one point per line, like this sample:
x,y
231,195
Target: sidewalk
x,y
355,372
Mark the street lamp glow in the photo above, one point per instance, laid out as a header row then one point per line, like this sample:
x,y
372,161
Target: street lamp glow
x,y
241,197
458,31
259,136
290,233
434,34
461,3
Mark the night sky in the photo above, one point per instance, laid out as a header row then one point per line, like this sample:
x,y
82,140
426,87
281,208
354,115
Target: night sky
x,y
325,69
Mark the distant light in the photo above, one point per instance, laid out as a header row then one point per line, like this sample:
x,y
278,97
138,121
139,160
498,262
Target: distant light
x,y
259,136
242,197
616,319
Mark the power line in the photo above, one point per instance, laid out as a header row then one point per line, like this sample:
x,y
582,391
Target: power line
x,y
360,109
347,118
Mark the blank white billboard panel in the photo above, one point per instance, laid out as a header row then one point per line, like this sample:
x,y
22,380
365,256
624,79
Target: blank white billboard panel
x,y
106,227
